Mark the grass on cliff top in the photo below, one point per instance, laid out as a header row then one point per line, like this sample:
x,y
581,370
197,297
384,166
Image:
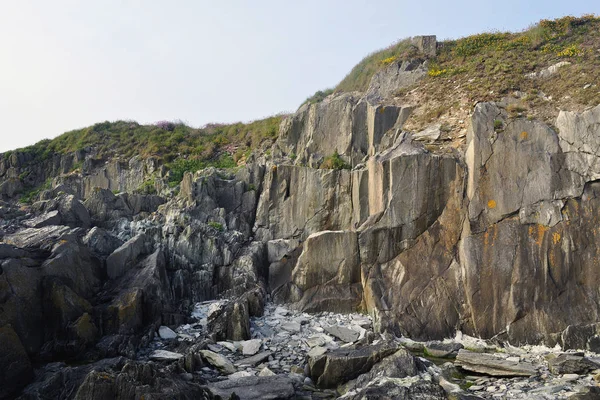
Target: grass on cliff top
x,y
494,66
359,77
497,61
218,144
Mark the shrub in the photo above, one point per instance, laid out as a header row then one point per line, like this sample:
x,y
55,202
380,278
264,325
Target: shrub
x,y
498,124
216,225
335,161
318,96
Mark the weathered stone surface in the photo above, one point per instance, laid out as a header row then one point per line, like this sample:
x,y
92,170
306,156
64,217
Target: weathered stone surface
x,y
254,360
397,75
164,355
126,255
218,361
101,242
255,388
344,334
490,364
442,350
231,322
14,363
339,366
298,201
166,333
574,363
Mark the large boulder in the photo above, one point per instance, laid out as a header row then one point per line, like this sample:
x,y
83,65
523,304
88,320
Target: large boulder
x,y
338,366
125,256
14,363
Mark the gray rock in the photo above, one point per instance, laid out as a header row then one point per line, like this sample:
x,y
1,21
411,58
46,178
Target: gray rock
x,y
344,334
489,364
251,347
255,388
166,333
126,255
339,366
571,363
14,362
442,350
254,360
164,355
218,361
101,242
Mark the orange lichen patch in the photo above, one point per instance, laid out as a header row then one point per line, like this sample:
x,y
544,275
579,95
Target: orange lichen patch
x,y
537,233
381,110
491,204
490,235
555,237
524,135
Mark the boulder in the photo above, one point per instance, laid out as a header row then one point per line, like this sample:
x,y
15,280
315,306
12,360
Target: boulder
x,y
571,363
231,321
164,355
101,242
344,334
16,367
442,350
218,361
255,388
494,365
341,365
125,256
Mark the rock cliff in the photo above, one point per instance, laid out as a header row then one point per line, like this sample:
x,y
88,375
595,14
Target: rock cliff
x,y
496,236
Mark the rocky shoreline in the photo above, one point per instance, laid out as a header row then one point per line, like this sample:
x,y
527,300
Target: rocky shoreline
x,y
286,343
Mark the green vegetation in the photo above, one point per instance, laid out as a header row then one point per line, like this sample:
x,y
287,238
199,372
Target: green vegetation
x,y
498,125
318,96
180,147
32,194
360,76
166,141
334,161
492,66
216,225
148,186
180,166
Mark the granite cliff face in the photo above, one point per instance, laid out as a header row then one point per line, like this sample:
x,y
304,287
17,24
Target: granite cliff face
x,y
497,237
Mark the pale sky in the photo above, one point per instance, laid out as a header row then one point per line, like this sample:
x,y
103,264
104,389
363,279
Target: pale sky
x,y
68,64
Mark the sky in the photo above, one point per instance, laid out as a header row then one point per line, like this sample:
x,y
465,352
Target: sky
x,y
67,64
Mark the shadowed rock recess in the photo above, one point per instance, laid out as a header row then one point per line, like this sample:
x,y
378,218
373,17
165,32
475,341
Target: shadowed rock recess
x,y
497,237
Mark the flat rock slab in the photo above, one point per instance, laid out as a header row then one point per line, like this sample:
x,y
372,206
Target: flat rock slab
x,y
218,361
164,355
489,364
254,360
344,334
442,350
293,327
571,364
251,347
341,365
255,388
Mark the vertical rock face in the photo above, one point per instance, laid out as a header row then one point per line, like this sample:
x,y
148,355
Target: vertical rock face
x,y
502,240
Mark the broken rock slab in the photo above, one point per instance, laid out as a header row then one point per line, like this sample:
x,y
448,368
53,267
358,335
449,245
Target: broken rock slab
x,y
251,347
254,360
164,355
218,361
255,388
490,364
344,334
571,363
